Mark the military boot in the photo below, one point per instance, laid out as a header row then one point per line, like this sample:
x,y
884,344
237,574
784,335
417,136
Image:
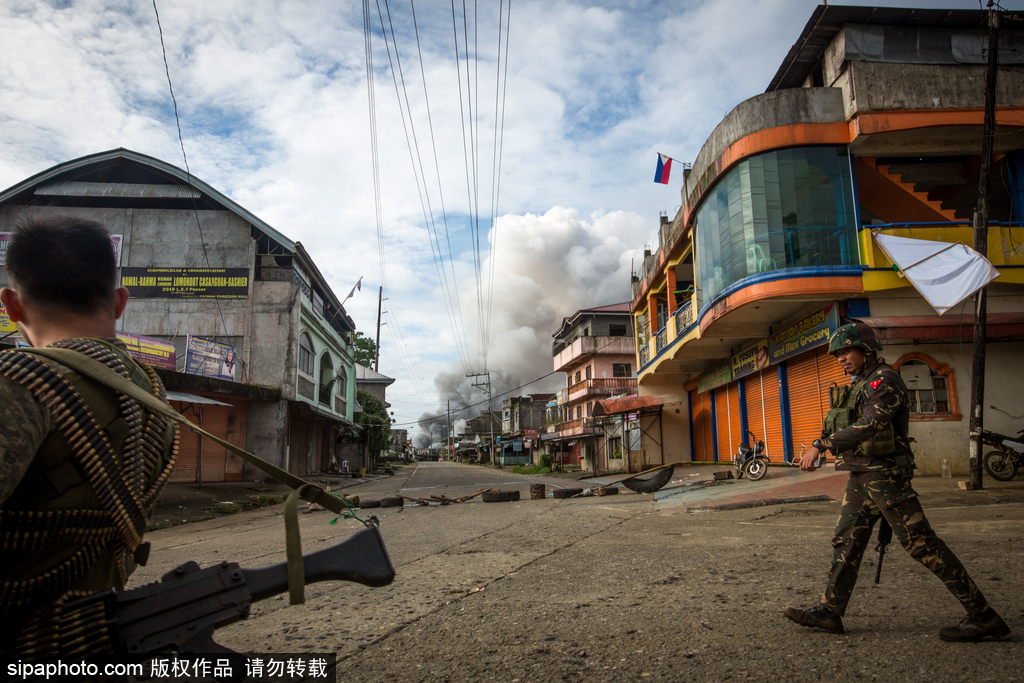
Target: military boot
x,y
817,617
985,626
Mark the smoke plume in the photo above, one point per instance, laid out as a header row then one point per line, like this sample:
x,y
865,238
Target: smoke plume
x,y
546,268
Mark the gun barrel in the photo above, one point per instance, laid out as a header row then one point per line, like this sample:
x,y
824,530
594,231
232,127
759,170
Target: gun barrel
x,y
361,558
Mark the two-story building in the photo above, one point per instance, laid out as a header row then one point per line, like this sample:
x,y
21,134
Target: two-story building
x,y
594,348
479,433
871,126
208,277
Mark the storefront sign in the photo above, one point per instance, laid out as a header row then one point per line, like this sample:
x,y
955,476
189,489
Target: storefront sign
x,y
812,331
517,445
750,360
530,434
5,238
186,283
156,352
210,358
715,376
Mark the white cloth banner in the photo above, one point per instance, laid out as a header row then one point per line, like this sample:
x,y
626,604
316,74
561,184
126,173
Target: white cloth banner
x,y
945,273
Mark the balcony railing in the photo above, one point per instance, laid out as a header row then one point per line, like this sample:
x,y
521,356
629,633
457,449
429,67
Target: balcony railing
x,y
684,317
325,394
602,387
661,338
645,355
582,425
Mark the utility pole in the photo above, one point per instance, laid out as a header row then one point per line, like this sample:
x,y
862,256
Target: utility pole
x,y
981,246
380,300
486,386
448,421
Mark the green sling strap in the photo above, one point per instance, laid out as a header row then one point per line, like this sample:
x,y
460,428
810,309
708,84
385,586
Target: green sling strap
x,y
302,489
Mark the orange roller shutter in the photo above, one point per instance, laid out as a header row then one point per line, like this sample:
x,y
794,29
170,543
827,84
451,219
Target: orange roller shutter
x,y
722,423
236,436
805,416
764,415
698,425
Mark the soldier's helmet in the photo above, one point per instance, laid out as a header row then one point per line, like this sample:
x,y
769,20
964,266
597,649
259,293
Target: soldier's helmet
x,y
852,335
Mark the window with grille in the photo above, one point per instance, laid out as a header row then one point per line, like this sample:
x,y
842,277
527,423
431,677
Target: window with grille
x,y
615,330
931,388
588,372
622,370
306,354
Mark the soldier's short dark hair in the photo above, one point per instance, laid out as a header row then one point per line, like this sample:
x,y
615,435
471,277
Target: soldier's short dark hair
x,y
62,262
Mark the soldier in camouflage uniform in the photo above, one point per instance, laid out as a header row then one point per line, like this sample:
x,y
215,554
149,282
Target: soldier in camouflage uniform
x,y
81,466
867,431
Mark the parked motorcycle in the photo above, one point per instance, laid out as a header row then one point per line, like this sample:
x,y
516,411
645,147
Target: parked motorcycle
x,y
1005,462
751,461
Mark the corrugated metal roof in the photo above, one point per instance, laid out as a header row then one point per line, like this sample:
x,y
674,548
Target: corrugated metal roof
x,y
171,170
74,188
827,21
192,398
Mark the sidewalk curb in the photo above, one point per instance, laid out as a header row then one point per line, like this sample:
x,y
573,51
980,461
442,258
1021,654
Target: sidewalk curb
x,y
757,503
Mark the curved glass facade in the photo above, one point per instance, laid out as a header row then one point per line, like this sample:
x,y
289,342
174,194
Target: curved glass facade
x,y
790,208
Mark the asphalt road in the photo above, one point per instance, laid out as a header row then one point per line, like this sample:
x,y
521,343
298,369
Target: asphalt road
x,y
614,589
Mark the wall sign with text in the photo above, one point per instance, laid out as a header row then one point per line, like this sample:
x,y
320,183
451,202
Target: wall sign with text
x,y
186,283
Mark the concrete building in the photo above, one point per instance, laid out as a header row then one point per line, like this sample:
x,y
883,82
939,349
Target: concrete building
x,y
198,265
373,383
871,125
594,348
522,418
479,431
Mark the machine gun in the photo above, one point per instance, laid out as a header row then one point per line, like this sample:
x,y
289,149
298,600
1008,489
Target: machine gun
x,y
181,611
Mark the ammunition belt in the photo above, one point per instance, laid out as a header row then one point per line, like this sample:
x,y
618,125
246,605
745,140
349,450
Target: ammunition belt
x,y
78,629
120,487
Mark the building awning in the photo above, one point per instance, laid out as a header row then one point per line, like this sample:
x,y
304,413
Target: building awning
x,y
192,398
634,404
308,409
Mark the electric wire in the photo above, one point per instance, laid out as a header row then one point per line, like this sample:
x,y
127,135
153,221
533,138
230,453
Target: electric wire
x,y
188,177
423,194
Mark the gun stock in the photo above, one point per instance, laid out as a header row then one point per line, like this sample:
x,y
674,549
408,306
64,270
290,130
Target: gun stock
x,y
181,612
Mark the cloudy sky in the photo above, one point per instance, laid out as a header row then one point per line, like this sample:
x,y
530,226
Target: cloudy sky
x,y
275,112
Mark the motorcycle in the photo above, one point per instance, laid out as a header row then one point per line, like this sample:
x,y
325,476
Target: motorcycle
x,y
751,461
1005,463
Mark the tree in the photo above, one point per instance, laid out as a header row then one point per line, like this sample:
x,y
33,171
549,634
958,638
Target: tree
x,y
375,421
364,349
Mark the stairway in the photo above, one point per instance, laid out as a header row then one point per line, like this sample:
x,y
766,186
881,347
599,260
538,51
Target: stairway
x,y
909,188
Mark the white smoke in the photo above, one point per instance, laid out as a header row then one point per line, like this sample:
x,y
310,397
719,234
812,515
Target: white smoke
x,y
546,268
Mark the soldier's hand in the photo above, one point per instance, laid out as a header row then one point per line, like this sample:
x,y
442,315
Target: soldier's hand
x,y
809,459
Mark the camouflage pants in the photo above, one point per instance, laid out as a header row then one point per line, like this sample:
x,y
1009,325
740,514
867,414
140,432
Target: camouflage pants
x,y
870,495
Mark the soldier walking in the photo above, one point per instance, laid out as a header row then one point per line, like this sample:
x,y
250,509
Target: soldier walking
x,y
867,431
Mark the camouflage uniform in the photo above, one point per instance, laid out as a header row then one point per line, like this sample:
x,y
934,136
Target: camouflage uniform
x,y
875,449
73,508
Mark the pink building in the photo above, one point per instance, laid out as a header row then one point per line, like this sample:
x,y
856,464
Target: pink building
x,y
595,349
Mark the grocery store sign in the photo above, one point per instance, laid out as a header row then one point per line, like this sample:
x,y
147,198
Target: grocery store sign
x,y
811,332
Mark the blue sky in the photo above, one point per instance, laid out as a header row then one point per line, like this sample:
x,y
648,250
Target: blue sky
x,y
272,98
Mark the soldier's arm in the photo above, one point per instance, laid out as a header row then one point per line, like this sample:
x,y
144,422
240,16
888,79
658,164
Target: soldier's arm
x,y
878,411
23,426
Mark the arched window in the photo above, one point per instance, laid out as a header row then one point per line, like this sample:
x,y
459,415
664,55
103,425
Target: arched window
x,y
326,369
306,354
931,388
342,382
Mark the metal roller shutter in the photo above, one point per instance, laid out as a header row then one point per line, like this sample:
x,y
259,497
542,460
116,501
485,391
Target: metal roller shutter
x,y
724,436
215,421
764,415
184,471
697,428
805,399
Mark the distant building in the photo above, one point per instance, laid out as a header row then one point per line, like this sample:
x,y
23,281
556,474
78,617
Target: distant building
x,y
479,431
522,418
594,348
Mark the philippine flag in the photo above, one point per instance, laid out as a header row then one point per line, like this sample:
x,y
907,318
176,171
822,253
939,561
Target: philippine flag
x,y
664,168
